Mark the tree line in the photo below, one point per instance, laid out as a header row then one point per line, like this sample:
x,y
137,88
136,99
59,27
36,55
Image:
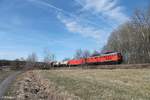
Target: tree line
x,y
132,38
32,61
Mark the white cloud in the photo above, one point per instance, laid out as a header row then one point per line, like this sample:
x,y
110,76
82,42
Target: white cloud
x,y
108,8
105,8
82,29
72,24
89,28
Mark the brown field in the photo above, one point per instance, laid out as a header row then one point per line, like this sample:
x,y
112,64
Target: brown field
x,y
96,84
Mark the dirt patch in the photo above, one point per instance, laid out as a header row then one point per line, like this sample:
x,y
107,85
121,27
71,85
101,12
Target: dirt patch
x,y
6,82
4,74
31,86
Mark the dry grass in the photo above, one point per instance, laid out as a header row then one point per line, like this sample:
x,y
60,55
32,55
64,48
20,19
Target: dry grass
x,y
4,74
32,86
120,84
96,84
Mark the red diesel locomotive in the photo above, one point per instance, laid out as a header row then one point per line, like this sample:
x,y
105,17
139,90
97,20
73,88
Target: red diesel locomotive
x,y
106,58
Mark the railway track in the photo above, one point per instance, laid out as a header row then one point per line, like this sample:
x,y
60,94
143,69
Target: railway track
x,y
120,66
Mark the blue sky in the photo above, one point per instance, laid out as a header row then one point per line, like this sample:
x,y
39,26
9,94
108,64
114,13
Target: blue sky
x,y
62,26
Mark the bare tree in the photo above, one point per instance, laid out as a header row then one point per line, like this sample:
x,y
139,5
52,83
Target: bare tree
x,y
85,55
48,56
132,38
49,59
32,57
22,59
78,54
31,60
95,53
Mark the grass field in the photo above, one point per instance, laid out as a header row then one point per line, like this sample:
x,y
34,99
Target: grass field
x,y
95,84
119,84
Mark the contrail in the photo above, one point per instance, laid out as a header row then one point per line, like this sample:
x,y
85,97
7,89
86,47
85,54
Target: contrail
x,y
64,12
48,5
81,4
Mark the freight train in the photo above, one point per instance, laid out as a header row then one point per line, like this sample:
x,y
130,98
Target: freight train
x,y
104,58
